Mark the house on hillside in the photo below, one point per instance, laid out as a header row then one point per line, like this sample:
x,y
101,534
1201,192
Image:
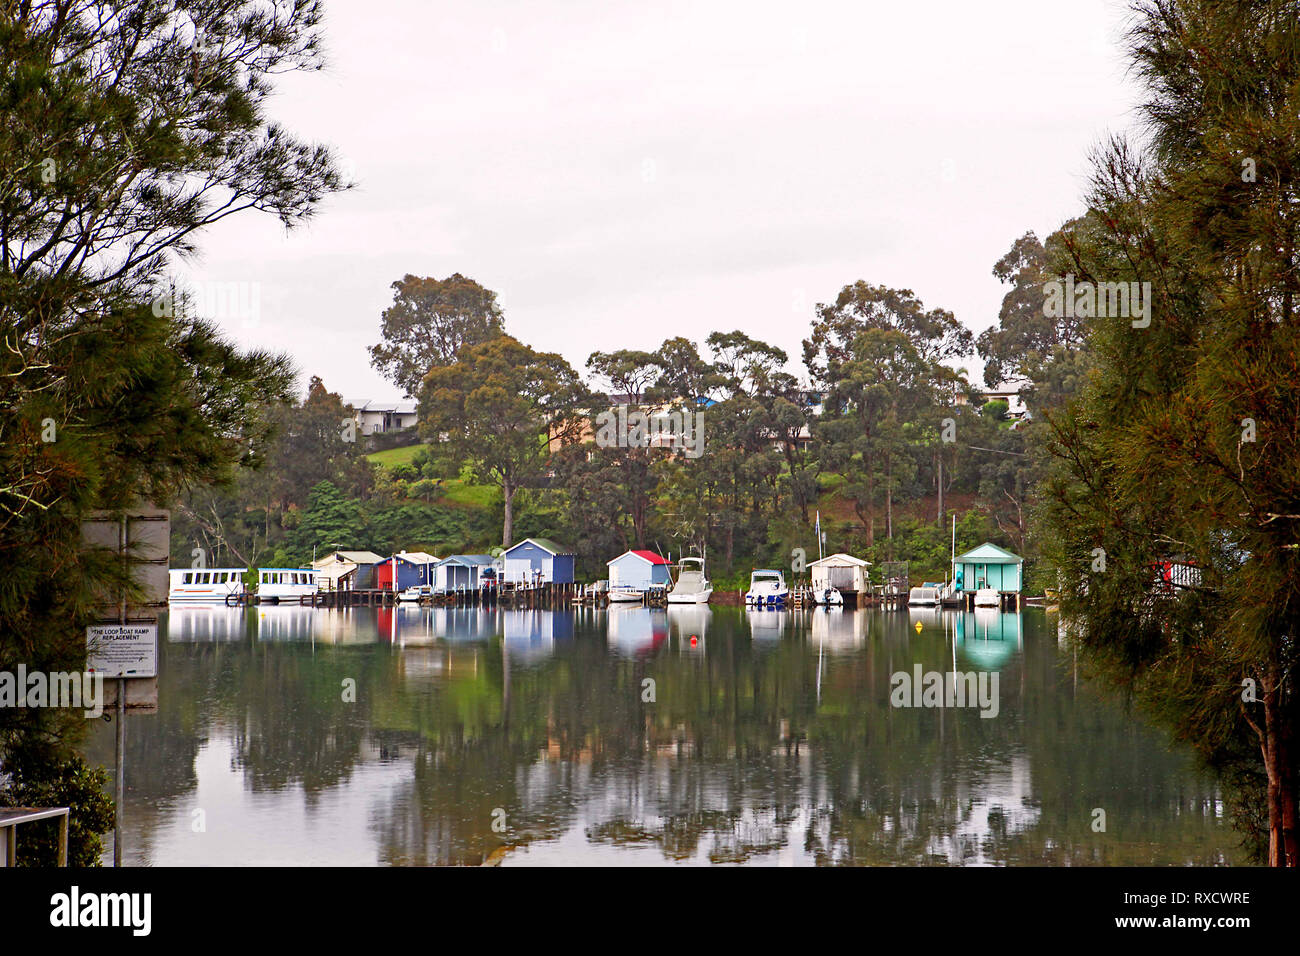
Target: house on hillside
x,y
538,561
374,418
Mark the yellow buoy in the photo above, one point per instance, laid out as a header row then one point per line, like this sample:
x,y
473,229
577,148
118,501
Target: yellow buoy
x,y
918,627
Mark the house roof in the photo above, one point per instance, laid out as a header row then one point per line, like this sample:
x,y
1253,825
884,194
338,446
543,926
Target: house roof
x,y
649,557
469,560
401,406
355,557
988,553
418,557
839,560
546,544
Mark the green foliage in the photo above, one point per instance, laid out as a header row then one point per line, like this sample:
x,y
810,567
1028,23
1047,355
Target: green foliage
x,y
1154,462
428,325
70,784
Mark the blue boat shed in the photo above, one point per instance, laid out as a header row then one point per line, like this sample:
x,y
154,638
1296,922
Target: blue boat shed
x,y
538,561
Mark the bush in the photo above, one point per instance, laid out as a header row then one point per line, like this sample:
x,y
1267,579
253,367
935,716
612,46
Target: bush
x,y
74,785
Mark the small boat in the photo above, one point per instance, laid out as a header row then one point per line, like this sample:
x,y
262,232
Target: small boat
x,y
767,588
692,586
624,593
415,592
925,596
987,597
828,597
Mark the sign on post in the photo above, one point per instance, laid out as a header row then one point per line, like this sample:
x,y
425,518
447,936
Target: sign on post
x,y
122,650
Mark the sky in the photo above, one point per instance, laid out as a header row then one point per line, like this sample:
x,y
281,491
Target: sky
x,y
620,173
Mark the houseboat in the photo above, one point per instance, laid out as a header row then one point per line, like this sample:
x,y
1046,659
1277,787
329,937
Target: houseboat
x,y
204,584
692,586
285,584
767,588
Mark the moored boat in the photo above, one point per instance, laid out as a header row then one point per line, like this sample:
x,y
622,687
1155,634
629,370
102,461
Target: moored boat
x,y
767,588
927,595
204,584
692,586
285,584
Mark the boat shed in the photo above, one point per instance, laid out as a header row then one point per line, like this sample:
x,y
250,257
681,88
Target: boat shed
x,y
404,570
843,572
987,566
464,572
638,569
332,568
538,561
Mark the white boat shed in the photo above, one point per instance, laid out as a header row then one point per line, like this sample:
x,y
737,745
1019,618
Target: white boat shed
x,y
843,572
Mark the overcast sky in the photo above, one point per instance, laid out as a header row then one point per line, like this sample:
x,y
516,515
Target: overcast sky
x,y
624,172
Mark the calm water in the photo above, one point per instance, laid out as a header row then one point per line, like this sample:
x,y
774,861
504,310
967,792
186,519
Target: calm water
x,y
529,737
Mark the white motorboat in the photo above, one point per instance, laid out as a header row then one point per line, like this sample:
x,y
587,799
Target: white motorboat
x,y
828,597
415,592
926,596
767,588
692,586
625,594
987,597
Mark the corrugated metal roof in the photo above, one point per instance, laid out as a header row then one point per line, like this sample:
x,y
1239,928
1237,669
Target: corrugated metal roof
x,y
988,553
648,556
840,559
545,544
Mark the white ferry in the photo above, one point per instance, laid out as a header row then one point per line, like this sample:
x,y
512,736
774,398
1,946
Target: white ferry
x,y
281,584
204,584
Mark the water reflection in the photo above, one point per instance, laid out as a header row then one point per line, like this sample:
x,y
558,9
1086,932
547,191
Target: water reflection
x,y
776,745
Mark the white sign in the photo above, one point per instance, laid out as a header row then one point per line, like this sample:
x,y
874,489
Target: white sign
x,y
122,650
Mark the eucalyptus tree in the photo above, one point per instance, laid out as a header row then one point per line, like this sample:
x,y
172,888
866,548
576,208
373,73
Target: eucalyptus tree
x,y
498,410
428,324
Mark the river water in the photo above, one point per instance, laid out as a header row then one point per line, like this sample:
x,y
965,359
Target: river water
x,y
295,736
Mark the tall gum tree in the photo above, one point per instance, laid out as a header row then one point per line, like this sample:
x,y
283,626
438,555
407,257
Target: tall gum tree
x,y
498,409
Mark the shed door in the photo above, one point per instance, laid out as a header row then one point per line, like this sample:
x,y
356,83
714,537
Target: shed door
x,y
518,569
841,578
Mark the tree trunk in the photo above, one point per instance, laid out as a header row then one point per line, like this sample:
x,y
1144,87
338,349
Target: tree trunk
x,y
1282,848
507,529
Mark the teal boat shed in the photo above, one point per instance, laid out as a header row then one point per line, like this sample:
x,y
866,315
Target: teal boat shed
x,y
987,566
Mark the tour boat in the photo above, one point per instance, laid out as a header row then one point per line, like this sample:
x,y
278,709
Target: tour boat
x,y
692,586
285,584
204,584
767,588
